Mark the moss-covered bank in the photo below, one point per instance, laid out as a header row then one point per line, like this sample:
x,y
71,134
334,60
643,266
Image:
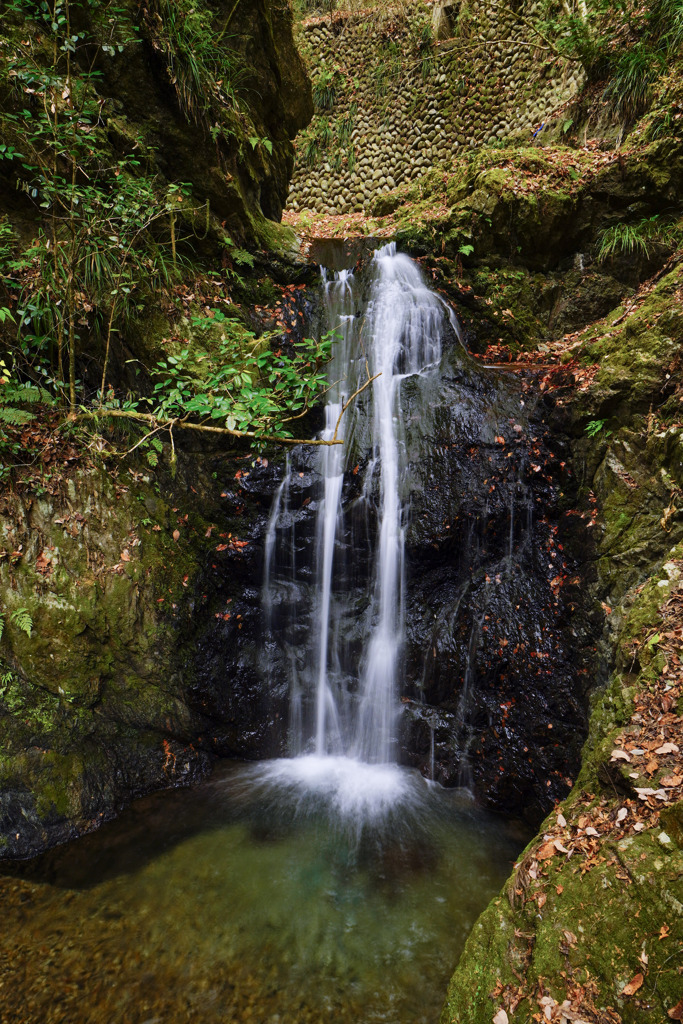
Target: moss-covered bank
x,y
93,700
108,565
590,924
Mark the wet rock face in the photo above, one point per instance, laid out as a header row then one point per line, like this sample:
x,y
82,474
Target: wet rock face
x,y
248,717
499,648
497,639
141,671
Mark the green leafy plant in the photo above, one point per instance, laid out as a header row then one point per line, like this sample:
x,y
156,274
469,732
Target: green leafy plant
x,y
326,88
13,397
388,68
83,269
239,256
255,141
21,618
315,140
594,427
205,73
153,447
425,50
623,43
260,384
633,74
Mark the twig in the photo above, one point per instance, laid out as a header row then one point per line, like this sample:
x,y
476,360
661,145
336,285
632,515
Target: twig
x,y
345,406
142,440
227,22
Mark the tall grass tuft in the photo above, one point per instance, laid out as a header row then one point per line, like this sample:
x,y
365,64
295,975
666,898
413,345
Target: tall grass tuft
x,y
642,238
633,76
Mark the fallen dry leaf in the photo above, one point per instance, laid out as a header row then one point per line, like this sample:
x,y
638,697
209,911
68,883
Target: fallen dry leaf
x,y
633,985
176,535
501,1017
676,1012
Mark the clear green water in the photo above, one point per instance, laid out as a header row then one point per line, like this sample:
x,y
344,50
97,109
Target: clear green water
x,y
250,899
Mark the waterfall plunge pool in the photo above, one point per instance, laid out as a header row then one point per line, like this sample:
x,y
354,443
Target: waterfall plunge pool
x,y
282,892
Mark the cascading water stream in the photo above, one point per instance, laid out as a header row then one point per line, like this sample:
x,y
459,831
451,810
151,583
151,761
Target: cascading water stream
x,y
399,336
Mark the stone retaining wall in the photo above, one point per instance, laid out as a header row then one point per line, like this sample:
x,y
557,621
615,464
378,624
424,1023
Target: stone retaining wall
x,y
405,99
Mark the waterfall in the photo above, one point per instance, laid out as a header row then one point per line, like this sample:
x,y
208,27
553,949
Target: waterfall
x,y
354,647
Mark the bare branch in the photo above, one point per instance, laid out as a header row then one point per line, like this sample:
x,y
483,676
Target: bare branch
x,y
346,404
205,428
142,441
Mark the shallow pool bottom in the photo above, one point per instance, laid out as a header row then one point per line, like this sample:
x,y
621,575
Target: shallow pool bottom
x,y
275,893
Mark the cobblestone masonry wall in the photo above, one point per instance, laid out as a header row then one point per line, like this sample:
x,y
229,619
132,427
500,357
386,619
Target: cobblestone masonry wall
x,y
405,100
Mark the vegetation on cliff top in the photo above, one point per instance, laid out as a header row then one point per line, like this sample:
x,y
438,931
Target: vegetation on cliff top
x,y
98,235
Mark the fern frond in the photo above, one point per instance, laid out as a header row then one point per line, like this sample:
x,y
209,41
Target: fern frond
x,y
22,620
28,394
2,624
242,257
16,417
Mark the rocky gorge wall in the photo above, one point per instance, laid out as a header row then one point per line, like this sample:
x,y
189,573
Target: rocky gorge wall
x,y
401,90
101,694
590,924
131,586
240,186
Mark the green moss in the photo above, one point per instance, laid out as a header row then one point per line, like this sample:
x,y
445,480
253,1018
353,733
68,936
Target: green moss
x,y
278,238
595,919
103,664
59,785
672,820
